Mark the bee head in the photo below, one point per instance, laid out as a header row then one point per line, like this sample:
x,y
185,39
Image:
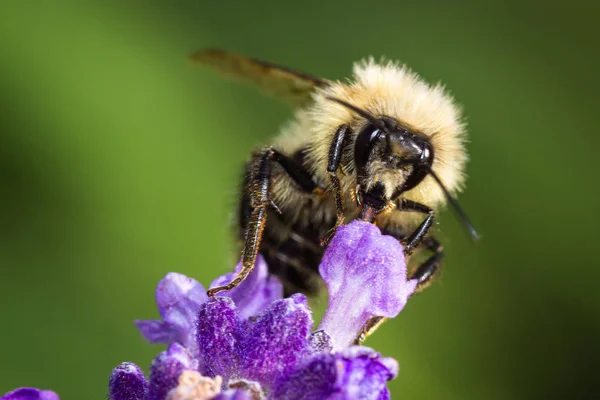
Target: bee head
x,y
391,159
389,149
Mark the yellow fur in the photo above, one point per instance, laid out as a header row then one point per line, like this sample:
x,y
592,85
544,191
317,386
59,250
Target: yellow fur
x,y
394,91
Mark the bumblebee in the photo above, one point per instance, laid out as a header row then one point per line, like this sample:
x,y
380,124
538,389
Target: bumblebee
x,y
384,147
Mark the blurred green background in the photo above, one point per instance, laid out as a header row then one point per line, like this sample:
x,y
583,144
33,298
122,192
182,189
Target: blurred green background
x,y
119,162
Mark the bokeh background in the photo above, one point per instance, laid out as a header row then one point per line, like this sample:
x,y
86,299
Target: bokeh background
x,y
119,162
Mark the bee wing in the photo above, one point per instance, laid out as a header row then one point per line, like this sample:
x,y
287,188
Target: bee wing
x,y
288,85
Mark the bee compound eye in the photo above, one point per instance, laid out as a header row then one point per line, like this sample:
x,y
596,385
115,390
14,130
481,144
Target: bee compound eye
x,y
365,141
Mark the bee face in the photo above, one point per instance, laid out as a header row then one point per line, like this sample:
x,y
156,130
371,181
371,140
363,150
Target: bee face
x,y
389,160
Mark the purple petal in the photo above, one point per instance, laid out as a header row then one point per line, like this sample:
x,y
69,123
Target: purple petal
x,y
30,394
175,288
218,335
256,292
178,298
277,339
166,368
365,273
156,331
358,373
127,382
384,395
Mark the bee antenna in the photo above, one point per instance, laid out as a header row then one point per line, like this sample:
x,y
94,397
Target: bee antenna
x,y
379,124
454,203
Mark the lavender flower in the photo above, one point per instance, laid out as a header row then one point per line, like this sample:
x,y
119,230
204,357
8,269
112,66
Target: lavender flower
x,y
272,354
179,297
30,394
253,344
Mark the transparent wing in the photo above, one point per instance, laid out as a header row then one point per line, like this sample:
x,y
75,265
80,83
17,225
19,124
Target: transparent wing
x,y
288,85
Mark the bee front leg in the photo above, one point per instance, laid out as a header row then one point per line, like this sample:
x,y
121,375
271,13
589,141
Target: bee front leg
x,y
259,192
335,157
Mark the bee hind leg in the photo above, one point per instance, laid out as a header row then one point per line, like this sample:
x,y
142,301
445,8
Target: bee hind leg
x,y
259,192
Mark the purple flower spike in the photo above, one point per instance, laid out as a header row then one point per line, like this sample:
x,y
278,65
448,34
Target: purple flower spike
x,y
358,373
165,370
30,394
127,382
178,298
278,339
256,292
218,335
365,273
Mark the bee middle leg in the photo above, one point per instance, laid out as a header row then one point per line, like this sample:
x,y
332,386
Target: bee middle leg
x,y
259,192
411,242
